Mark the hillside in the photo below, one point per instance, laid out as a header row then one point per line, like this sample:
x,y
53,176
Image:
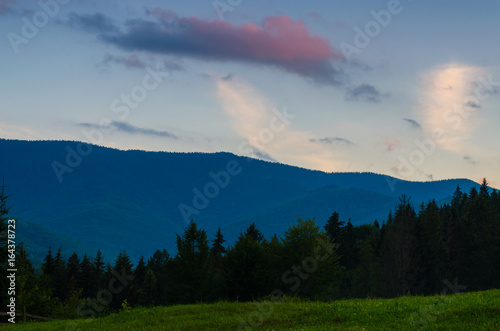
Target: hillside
x,y
112,199
464,311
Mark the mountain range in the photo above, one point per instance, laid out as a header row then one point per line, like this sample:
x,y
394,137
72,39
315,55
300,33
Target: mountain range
x,y
82,197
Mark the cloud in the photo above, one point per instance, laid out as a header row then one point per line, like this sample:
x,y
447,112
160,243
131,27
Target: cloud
x,y
259,125
391,145
5,6
93,23
132,61
262,155
449,105
331,140
469,159
472,104
414,124
363,92
277,41
129,128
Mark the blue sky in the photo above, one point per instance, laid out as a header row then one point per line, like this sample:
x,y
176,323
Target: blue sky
x,y
405,88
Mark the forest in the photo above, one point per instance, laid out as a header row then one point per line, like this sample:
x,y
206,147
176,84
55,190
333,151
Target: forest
x,y
415,251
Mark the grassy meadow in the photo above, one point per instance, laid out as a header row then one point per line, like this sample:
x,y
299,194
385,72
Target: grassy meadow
x,y
464,311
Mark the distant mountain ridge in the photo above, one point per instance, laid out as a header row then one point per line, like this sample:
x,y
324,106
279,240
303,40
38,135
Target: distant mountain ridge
x,y
136,200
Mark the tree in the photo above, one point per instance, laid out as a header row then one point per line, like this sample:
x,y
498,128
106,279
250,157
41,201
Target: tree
x,y
123,267
253,233
218,249
147,291
137,283
72,275
159,264
313,261
99,271
48,265
59,277
86,280
245,269
335,228
191,266
217,270
32,295
430,255
367,277
397,248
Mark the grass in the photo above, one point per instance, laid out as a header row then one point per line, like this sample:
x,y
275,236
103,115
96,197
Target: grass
x,y
465,311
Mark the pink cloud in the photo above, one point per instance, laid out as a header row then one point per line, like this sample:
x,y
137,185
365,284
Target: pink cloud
x,y
5,5
277,41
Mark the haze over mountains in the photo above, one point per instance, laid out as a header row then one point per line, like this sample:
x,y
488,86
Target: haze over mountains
x,y
83,197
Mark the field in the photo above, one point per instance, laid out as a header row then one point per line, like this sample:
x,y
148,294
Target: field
x,y
465,311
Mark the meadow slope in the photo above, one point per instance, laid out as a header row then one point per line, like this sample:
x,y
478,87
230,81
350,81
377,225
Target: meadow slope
x,y
464,311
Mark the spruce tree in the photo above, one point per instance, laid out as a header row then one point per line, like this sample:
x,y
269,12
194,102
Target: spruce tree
x,y
191,266
99,270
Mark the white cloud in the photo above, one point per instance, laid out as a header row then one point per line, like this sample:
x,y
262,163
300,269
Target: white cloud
x,y
252,117
10,131
446,100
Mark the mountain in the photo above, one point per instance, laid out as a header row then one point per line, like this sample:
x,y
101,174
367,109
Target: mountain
x,y
84,197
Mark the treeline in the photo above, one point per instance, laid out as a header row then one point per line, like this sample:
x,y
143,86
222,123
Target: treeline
x,y
439,249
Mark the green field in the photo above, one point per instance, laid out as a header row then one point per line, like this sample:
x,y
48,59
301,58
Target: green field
x,y
466,311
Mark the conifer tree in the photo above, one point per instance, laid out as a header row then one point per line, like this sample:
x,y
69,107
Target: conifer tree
x,y
59,280
72,275
99,270
86,280
191,266
147,292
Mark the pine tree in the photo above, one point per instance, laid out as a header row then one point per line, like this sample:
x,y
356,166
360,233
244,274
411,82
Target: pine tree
x,y
72,275
99,270
159,264
137,283
191,266
367,277
253,233
48,265
158,260
245,269
335,228
217,249
59,280
31,293
86,280
123,267
398,247
217,279
147,292
430,254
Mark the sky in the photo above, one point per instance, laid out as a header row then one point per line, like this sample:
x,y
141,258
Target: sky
x,y
406,88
